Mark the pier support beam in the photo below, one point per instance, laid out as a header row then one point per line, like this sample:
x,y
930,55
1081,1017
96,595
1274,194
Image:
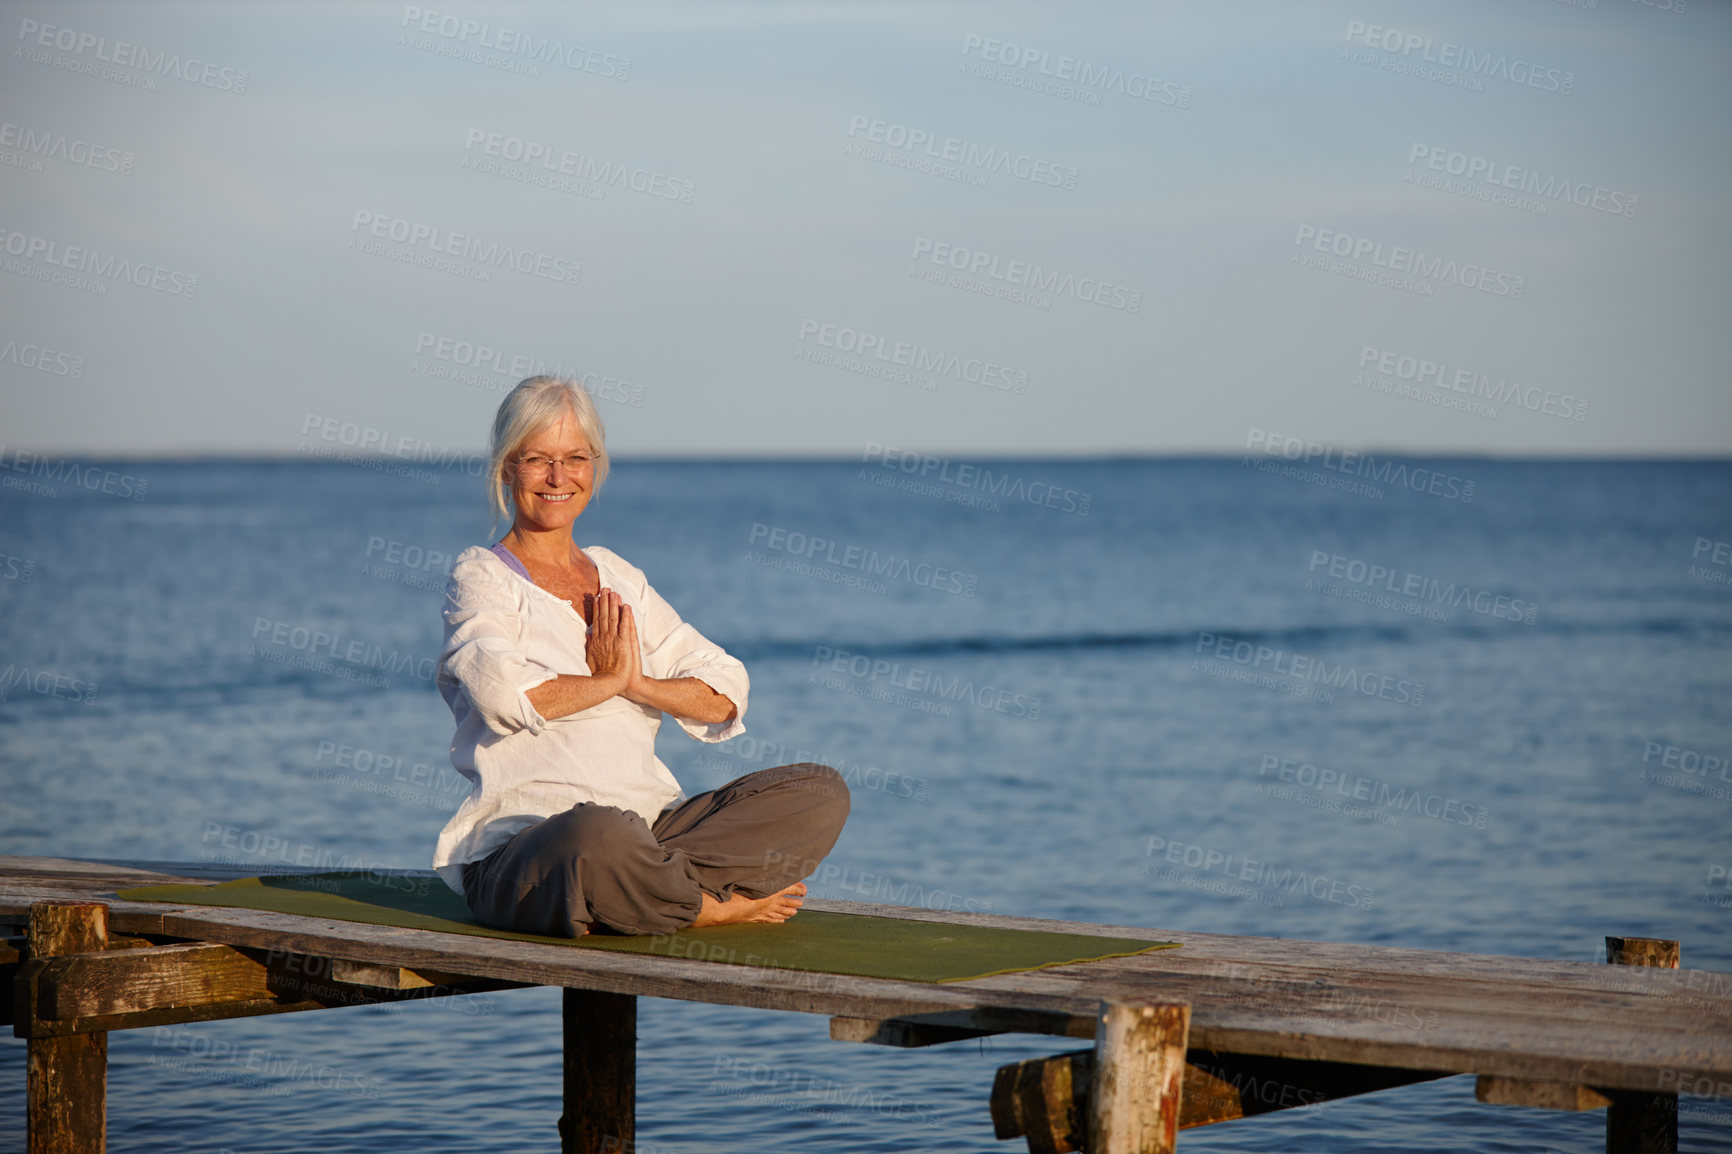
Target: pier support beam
x,y
1642,1123
67,1076
600,1073
1139,1077
1046,1100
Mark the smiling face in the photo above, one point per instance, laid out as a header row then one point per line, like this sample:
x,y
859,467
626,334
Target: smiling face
x,y
549,499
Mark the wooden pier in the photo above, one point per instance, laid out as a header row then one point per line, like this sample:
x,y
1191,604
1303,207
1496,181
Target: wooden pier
x,y
1225,1027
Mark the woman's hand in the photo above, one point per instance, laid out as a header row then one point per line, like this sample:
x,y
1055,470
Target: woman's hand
x,y
614,660
612,651
614,663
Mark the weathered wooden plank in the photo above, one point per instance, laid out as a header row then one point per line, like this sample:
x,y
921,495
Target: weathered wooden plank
x,y
1321,1020
202,981
1301,960
1661,953
600,1073
67,1078
1708,991
161,977
1139,1077
906,1033
1045,1100
1543,1095
382,977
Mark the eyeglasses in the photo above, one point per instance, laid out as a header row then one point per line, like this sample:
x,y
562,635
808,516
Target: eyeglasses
x,y
540,466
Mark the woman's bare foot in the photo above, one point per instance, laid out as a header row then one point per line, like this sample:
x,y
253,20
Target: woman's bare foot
x,y
778,907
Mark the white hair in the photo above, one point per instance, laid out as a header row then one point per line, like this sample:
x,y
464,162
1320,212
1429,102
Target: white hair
x,y
526,410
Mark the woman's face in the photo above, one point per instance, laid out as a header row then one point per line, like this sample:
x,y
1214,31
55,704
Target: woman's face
x,y
549,498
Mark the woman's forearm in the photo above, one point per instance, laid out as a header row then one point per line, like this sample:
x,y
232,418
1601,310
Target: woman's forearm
x,y
571,693
687,697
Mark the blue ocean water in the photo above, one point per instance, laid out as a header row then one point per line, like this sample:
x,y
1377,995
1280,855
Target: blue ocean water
x,y
1088,690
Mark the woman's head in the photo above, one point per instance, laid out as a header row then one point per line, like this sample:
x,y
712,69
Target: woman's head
x,y
543,429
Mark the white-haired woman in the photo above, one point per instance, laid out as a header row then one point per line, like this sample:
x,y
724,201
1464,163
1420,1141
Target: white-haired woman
x,y
558,664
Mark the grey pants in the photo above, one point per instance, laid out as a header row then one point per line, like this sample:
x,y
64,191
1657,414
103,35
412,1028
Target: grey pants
x,y
596,863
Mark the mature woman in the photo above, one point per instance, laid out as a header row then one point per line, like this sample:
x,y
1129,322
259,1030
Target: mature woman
x,y
558,664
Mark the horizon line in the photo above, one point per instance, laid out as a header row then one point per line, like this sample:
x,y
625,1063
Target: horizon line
x,y
664,457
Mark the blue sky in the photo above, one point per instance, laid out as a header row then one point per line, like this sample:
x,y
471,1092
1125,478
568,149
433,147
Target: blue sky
x,y
728,323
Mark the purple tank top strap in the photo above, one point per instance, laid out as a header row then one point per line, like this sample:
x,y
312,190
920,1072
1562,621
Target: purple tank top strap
x,y
511,560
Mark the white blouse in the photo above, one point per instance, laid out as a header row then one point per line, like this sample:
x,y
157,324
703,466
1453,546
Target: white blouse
x,y
504,636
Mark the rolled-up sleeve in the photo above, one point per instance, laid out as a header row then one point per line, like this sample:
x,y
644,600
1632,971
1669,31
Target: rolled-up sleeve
x,y
483,658
672,648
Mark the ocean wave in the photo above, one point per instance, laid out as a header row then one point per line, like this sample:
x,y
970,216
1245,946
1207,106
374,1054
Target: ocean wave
x,y
1292,637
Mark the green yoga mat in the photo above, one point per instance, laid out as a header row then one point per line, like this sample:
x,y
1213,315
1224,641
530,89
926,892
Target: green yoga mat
x,y
813,941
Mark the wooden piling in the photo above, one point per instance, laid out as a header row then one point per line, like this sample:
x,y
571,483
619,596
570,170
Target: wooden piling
x,y
1139,1076
600,1073
1642,1123
67,1079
